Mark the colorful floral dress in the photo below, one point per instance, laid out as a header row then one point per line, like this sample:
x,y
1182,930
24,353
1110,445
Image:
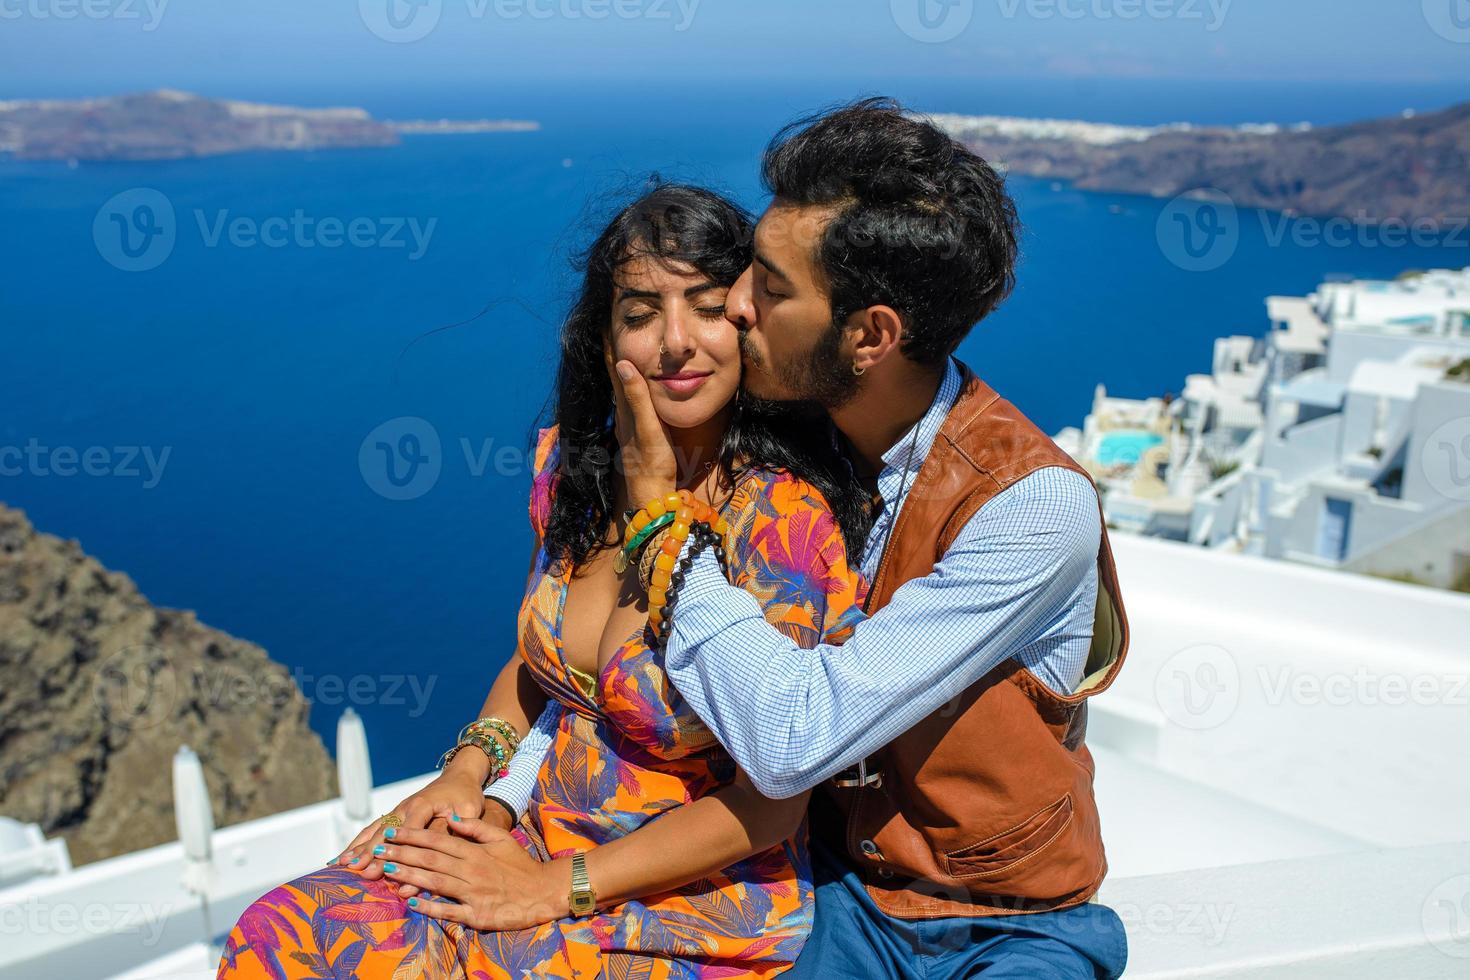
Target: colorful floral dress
x,y
628,749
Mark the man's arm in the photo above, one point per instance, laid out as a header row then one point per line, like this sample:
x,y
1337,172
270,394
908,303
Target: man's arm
x,y
1020,581
514,788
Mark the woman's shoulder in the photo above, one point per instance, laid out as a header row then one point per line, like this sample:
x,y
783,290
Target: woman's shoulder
x,y
544,450
777,492
543,471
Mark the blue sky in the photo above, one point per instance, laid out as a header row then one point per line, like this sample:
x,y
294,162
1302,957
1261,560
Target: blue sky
x,y
54,47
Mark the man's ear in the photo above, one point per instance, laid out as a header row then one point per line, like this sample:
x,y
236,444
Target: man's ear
x,y
877,333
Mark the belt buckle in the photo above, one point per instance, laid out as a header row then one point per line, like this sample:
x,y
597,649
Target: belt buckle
x,y
848,779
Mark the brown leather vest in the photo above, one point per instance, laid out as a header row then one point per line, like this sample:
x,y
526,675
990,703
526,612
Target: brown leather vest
x,y
986,806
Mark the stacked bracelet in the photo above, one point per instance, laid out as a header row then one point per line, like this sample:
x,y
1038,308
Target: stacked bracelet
x,y
660,620
482,735
645,561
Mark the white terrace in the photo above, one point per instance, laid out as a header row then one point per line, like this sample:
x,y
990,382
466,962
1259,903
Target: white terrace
x,y
1281,768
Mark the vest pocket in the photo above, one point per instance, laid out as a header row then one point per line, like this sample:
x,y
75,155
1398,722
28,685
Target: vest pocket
x,y
1002,852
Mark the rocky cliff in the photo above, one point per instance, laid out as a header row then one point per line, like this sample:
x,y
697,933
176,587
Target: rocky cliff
x,y
1404,169
98,689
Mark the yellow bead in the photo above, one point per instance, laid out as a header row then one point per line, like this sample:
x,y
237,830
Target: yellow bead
x,y
656,598
679,530
655,509
664,562
673,502
660,579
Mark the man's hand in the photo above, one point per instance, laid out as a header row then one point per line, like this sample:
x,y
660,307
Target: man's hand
x,y
453,792
650,469
496,884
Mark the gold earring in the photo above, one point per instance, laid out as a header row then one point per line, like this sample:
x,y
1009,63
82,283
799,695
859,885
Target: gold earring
x,y
858,370
661,349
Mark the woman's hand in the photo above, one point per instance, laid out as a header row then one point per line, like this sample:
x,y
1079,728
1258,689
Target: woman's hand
x,y
454,792
496,884
650,468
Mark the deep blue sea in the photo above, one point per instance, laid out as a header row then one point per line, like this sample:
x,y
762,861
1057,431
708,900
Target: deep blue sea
x,y
223,399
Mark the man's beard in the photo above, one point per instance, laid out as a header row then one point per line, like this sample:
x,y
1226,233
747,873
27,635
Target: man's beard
x,y
819,376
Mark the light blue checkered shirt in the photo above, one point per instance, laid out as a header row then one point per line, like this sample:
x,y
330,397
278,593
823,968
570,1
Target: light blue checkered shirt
x,y
1019,581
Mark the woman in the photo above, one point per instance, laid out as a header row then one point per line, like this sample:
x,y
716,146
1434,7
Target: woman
x,y
695,873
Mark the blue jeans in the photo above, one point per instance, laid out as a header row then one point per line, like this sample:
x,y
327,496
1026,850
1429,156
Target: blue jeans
x,y
852,937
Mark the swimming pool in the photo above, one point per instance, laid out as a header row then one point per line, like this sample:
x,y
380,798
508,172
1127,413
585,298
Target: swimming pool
x,y
1125,445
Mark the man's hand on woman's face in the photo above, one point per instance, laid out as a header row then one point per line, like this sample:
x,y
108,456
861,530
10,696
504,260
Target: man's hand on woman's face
x,y
650,469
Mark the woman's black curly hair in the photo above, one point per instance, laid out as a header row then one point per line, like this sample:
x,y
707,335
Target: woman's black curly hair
x,y
681,224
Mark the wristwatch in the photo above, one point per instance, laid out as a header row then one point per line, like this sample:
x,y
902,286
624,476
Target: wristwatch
x,y
583,900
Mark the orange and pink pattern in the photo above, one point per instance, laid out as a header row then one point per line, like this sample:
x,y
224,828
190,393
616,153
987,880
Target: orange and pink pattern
x,y
627,750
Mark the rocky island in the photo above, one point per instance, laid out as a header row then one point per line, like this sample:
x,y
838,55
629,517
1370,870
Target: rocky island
x,y
99,690
168,125
1409,168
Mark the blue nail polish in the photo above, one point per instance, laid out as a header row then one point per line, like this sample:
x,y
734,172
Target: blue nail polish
x,y
413,903
331,861
390,833
390,867
380,849
455,818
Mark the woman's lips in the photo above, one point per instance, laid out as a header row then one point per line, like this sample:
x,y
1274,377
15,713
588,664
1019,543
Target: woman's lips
x,y
684,382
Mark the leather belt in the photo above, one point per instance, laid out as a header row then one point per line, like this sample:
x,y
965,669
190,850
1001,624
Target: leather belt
x,y
859,776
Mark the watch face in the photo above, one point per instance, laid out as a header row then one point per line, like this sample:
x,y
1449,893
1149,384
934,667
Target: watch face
x,y
583,902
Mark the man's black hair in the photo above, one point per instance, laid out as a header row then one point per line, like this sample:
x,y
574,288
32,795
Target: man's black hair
x,y
920,223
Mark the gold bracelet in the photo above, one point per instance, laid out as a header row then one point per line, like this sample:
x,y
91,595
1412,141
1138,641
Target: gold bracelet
x,y
645,560
498,725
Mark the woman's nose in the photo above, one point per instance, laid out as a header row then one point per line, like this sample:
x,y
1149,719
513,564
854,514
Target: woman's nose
x,y
739,303
678,339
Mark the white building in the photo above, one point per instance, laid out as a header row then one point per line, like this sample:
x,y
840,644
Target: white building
x,y
1341,438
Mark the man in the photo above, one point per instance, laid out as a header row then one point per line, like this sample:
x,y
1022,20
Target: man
x,y
956,830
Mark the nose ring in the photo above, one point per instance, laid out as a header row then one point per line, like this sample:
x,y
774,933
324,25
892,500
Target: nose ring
x,y
661,349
